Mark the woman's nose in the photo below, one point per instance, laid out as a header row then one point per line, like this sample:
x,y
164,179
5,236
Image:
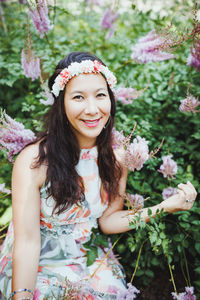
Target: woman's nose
x,y
91,106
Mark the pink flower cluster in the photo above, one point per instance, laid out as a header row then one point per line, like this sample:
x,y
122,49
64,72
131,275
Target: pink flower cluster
x,y
137,153
168,192
129,294
127,95
135,201
40,17
13,136
193,59
30,64
107,22
149,49
187,295
169,167
189,104
47,95
3,189
118,138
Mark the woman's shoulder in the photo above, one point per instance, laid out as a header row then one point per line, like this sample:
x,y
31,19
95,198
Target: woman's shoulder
x,y
29,154
26,163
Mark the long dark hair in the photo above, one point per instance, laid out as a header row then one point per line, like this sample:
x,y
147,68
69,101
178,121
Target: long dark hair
x,y
59,148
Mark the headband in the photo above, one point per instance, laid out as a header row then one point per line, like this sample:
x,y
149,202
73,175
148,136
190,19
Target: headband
x,y
86,66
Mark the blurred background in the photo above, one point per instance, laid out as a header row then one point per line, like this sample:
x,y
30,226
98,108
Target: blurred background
x,y
153,48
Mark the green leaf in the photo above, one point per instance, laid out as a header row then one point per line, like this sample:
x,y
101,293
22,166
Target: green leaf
x,y
92,255
197,247
101,240
6,217
149,273
197,270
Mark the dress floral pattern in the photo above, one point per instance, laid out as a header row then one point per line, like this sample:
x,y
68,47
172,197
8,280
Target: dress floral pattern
x,y
63,256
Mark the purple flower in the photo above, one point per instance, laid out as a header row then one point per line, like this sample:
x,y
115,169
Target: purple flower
x,y
40,17
127,95
111,256
129,294
13,136
193,59
187,295
107,22
149,49
169,167
168,192
3,189
137,153
30,64
189,104
118,138
136,201
48,95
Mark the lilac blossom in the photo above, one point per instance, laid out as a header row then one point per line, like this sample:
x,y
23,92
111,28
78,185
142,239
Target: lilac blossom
x,y
111,254
169,167
149,49
129,294
136,201
127,95
118,138
137,153
168,192
78,290
189,104
3,189
30,64
187,295
13,136
107,22
193,59
48,96
40,17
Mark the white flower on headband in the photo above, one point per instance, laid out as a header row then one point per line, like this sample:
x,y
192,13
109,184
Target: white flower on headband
x,y
86,66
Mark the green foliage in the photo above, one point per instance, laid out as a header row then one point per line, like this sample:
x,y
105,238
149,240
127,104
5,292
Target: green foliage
x,y
174,237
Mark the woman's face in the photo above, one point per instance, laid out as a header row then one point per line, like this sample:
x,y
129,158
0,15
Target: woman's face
x,y
87,106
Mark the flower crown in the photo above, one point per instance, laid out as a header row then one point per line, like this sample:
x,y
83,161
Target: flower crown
x,y
86,66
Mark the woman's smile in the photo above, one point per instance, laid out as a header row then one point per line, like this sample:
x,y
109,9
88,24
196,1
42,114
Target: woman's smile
x,y
91,123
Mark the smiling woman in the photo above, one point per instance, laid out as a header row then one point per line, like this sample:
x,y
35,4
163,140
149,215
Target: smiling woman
x,y
66,183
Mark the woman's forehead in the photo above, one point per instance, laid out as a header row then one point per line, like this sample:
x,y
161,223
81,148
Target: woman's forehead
x,y
92,81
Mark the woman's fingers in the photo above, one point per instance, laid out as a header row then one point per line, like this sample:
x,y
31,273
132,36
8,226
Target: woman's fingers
x,y
188,190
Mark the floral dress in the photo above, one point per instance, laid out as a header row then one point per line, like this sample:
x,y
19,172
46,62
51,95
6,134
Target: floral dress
x,y
63,264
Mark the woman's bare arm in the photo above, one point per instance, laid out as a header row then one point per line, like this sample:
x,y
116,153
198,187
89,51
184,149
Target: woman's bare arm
x,y
116,220
26,182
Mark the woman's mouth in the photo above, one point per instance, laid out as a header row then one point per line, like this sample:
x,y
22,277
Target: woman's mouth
x,y
91,123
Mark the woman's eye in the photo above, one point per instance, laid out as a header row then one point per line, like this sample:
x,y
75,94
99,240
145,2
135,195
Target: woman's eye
x,y
78,97
101,95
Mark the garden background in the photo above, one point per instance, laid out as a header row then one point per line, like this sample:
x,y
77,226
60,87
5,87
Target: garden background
x,y
163,255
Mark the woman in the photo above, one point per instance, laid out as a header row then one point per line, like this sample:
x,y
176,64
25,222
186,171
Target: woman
x,y
66,182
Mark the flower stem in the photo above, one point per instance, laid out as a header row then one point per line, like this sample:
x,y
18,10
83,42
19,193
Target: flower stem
x,y
187,269
137,262
172,278
106,255
1,229
2,236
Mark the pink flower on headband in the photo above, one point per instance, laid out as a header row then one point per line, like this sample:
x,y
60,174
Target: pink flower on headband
x,y
86,66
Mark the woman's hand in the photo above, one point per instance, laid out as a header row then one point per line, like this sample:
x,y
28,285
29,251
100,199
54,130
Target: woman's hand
x,y
183,200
